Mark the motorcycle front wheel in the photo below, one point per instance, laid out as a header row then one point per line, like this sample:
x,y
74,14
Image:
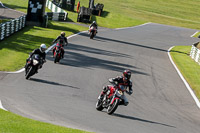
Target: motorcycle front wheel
x,y
30,72
99,105
91,35
57,58
111,108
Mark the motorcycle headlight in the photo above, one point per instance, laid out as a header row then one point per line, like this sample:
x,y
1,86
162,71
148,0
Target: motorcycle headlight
x,y
119,93
35,62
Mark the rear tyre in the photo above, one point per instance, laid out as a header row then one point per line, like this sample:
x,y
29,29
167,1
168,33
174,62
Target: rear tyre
x,y
111,109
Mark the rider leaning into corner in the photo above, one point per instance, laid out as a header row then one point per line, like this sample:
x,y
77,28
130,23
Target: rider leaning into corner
x,y
94,24
62,40
40,51
122,80
61,37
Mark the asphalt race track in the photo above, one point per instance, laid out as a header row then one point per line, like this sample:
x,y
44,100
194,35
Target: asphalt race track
x,y
66,93
7,13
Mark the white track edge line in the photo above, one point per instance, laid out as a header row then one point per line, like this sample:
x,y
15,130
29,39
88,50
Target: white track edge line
x,y
21,70
1,106
133,26
194,34
184,81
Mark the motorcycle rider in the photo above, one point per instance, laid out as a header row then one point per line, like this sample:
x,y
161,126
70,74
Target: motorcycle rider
x,y
122,80
61,37
94,24
62,41
62,49
40,51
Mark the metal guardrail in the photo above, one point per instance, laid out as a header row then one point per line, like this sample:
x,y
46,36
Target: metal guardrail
x,y
195,54
9,28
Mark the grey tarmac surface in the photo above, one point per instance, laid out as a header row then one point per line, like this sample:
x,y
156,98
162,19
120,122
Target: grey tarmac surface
x,y
7,13
66,93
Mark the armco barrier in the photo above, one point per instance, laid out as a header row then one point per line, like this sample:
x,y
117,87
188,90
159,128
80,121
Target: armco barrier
x,y
57,13
8,28
195,53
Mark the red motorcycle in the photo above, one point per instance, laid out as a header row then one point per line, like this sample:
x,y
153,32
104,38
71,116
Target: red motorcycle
x,y
111,99
93,32
57,53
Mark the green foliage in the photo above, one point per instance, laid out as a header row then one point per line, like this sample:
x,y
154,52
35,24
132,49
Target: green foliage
x,y
126,13
12,123
188,67
16,49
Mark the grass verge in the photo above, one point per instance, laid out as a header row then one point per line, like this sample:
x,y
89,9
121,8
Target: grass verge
x,y
16,49
118,13
188,67
12,123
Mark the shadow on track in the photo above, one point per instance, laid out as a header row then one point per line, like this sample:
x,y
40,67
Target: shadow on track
x,y
124,42
75,57
51,83
141,120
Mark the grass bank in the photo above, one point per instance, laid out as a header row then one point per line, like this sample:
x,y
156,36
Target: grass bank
x,y
188,67
118,13
16,49
12,123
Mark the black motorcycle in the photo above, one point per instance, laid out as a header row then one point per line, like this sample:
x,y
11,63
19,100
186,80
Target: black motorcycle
x,y
32,65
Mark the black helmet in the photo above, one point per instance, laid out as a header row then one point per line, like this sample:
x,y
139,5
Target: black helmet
x,y
62,34
127,74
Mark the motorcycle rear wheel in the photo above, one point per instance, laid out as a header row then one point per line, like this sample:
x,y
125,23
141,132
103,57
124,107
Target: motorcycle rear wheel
x,y
111,108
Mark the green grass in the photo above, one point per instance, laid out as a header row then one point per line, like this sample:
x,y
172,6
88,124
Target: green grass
x,y
12,123
15,50
116,14
197,34
125,13
188,67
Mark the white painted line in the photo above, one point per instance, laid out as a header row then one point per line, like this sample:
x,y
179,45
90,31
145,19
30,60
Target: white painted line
x,y
21,70
133,26
194,34
184,81
1,106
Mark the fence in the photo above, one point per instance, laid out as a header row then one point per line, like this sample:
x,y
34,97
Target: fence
x,y
8,28
57,12
195,53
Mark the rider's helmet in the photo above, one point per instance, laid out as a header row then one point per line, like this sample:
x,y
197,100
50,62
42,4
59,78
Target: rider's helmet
x,y
62,34
43,47
126,75
94,22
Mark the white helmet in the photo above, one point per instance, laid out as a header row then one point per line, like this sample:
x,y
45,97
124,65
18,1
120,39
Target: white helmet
x,y
94,22
43,47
